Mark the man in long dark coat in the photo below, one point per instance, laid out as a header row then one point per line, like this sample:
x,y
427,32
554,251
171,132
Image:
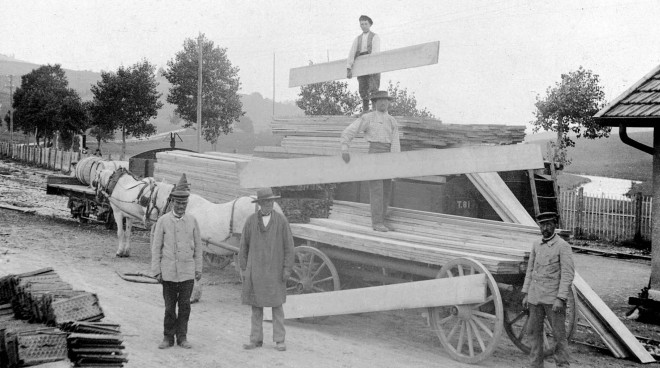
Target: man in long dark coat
x,y
266,259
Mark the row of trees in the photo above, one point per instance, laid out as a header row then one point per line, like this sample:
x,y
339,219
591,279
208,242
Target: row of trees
x,y
126,100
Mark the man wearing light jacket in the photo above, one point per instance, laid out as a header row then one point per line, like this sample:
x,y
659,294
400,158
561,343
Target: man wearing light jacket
x,y
176,261
548,281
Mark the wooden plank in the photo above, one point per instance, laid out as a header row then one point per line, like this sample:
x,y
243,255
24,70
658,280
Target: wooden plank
x,y
402,58
606,336
420,294
611,321
332,169
500,197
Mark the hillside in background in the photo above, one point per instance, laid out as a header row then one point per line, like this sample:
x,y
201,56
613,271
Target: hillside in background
x,y
257,108
606,156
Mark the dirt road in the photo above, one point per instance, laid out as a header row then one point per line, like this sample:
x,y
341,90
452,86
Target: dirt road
x,y
84,256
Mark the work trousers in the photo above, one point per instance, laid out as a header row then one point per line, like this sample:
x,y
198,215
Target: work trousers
x,y
368,84
380,191
257,330
537,314
177,294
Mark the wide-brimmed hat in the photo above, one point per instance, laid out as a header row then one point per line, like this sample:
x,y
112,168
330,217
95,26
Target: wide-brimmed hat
x,y
181,189
378,95
546,216
264,194
364,17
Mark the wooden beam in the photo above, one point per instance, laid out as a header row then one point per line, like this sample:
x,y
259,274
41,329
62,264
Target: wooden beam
x,y
500,197
420,294
597,306
402,58
332,169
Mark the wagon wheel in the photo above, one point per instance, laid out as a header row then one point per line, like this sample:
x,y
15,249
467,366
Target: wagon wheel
x,y
313,272
469,332
515,325
217,261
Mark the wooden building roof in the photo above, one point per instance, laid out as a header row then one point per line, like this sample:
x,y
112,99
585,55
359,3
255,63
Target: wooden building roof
x,y
638,106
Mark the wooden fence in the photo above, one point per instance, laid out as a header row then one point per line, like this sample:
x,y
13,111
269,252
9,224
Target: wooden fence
x,y
58,160
607,217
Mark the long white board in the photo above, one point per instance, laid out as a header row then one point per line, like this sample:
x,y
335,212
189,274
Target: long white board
x,y
409,295
409,164
402,58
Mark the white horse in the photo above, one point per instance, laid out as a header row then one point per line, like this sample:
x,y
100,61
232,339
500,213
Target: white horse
x,y
129,199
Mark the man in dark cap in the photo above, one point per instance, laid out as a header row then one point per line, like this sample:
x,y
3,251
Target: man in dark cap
x,y
176,261
550,273
266,260
366,43
382,132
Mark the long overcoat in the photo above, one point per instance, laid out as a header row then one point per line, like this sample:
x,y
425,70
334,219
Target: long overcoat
x,y
266,253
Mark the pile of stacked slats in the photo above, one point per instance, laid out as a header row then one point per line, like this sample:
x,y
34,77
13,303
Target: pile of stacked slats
x,y
95,344
42,296
319,135
26,345
212,175
424,237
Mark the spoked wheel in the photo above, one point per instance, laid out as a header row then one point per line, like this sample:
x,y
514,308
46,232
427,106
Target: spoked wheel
x,y
516,323
217,261
469,332
313,272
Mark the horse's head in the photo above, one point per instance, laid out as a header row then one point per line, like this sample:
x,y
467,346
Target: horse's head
x,y
155,199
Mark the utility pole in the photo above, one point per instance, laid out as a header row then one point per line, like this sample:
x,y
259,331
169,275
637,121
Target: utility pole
x,y
273,84
11,114
199,96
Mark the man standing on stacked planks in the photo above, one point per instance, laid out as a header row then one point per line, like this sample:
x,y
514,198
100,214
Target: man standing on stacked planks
x,y
364,44
548,281
382,132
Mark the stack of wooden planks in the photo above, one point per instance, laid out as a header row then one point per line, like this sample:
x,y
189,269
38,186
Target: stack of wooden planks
x,y
319,135
424,237
212,175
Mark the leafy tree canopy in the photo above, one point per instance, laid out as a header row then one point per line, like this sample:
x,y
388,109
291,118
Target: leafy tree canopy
x,y
404,104
221,104
568,107
45,103
328,98
126,100
334,98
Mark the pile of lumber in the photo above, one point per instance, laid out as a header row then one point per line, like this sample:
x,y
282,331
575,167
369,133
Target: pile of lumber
x,y
212,175
319,135
424,237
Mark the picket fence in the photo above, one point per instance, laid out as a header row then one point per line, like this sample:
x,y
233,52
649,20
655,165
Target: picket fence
x,y
50,158
607,217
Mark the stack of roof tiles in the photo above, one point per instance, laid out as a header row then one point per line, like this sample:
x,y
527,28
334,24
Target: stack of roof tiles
x,y
43,297
95,344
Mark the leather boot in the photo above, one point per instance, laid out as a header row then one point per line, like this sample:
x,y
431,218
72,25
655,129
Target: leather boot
x,y
167,342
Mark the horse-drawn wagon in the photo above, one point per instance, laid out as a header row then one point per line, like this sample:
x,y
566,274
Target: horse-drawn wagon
x,y
424,246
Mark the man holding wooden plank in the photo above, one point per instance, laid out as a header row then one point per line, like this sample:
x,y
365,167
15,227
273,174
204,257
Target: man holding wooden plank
x,y
364,44
382,132
550,274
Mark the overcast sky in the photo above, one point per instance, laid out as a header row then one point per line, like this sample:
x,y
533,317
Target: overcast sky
x,y
495,56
